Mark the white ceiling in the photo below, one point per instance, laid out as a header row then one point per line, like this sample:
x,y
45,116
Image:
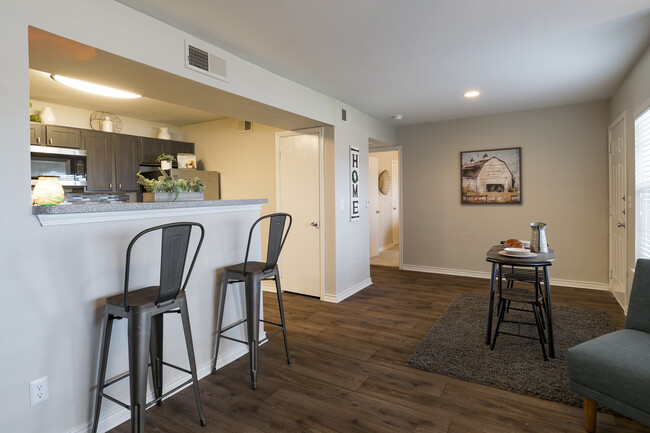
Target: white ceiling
x,y
417,57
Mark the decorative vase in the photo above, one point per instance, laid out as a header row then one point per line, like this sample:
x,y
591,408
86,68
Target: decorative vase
x,y
47,191
47,116
107,125
165,165
164,134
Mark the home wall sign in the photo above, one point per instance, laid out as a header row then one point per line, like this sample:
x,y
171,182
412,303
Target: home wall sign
x,y
490,176
354,184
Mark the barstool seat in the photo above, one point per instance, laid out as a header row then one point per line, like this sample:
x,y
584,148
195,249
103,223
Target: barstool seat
x,y
144,309
252,273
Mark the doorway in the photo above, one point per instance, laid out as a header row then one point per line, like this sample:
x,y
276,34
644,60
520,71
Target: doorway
x,y
299,193
618,210
385,208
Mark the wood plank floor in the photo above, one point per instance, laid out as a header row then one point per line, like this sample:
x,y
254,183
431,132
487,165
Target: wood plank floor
x,y
348,372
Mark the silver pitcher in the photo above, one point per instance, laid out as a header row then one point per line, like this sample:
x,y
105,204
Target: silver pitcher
x,y
538,242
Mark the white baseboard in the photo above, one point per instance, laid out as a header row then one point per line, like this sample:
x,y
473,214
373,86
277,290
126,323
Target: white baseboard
x,y
119,415
486,275
348,292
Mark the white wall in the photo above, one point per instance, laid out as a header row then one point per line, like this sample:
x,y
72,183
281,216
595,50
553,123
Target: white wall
x,y
49,324
633,93
564,184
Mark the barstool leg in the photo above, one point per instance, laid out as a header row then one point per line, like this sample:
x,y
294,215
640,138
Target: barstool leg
x,y
220,309
540,332
156,355
139,336
103,359
253,291
185,317
281,307
502,310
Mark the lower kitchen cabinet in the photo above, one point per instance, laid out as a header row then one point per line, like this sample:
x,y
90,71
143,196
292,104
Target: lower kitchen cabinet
x,y
112,162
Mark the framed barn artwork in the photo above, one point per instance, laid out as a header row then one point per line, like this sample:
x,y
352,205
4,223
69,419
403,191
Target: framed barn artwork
x,y
490,176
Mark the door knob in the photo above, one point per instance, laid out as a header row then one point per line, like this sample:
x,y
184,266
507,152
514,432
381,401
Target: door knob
x,y
314,224
377,212
621,224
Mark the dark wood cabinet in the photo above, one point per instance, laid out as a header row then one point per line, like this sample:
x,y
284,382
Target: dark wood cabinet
x,y
56,136
63,136
100,160
151,148
112,162
176,147
36,134
126,162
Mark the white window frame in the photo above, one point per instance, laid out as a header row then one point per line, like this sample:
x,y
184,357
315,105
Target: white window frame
x,y
642,180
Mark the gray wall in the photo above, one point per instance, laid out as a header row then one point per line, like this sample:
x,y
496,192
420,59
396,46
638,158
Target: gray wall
x,y
564,183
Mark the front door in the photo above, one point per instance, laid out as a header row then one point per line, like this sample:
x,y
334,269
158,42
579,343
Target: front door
x,y
617,210
299,194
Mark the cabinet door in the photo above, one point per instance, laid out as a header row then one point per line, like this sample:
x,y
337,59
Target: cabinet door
x,y
99,165
176,147
63,136
151,148
36,134
126,162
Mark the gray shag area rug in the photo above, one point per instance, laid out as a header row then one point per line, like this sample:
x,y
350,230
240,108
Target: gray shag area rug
x,y
455,346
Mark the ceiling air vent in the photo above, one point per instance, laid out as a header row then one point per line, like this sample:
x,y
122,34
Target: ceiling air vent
x,y
202,61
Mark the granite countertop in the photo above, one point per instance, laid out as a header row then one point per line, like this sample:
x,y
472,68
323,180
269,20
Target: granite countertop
x,y
122,207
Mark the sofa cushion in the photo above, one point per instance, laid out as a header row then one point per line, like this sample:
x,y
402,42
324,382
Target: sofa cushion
x,y
616,367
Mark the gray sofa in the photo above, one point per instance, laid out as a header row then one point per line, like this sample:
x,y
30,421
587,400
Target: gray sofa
x,y
614,369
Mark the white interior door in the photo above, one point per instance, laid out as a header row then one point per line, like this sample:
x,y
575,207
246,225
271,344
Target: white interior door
x,y
300,195
394,190
373,195
617,210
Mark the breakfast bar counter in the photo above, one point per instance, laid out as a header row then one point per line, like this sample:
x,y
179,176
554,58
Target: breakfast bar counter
x,y
106,212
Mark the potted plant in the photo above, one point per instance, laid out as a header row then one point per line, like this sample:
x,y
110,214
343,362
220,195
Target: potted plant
x,y
170,188
166,160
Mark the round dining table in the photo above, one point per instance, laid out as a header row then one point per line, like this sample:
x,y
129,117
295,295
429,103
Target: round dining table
x,y
538,262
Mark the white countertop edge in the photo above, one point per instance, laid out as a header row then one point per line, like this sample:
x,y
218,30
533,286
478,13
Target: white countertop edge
x,y
47,220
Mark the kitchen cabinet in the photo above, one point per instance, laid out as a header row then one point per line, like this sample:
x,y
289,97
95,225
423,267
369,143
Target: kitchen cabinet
x,y
56,136
112,162
151,148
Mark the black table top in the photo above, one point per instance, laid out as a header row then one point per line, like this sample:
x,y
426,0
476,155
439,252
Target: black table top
x,y
542,259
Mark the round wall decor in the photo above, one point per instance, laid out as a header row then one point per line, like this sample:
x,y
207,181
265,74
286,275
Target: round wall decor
x,y
384,182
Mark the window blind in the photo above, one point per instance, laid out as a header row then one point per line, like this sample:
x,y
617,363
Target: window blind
x,y
642,183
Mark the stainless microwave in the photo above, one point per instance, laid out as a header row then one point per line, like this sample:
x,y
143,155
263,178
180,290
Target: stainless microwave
x,y
69,165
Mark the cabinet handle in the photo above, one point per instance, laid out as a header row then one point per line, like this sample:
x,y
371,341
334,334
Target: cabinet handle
x,y
119,186
38,139
50,141
110,186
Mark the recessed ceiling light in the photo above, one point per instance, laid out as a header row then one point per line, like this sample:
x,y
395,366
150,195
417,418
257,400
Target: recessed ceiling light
x,y
471,94
96,89
397,117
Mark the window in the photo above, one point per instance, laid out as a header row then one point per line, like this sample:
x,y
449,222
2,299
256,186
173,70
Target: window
x,y
642,183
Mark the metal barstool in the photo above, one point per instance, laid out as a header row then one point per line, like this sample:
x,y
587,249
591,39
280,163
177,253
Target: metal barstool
x,y
144,309
252,274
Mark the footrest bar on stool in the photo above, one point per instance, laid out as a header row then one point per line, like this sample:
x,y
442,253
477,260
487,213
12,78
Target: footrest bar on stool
x,y
114,400
117,379
234,339
271,335
233,325
182,385
271,323
176,367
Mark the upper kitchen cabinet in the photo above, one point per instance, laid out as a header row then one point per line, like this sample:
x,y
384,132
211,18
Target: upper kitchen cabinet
x,y
112,163
56,136
151,148
63,136
36,134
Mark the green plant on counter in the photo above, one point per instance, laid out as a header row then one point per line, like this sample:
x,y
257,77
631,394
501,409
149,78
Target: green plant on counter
x,y
167,183
166,157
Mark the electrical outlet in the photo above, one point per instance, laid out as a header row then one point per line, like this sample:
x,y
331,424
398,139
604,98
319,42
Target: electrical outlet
x,y
38,391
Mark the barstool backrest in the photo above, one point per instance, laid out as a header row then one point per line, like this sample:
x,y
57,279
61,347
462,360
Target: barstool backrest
x,y
277,237
173,254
